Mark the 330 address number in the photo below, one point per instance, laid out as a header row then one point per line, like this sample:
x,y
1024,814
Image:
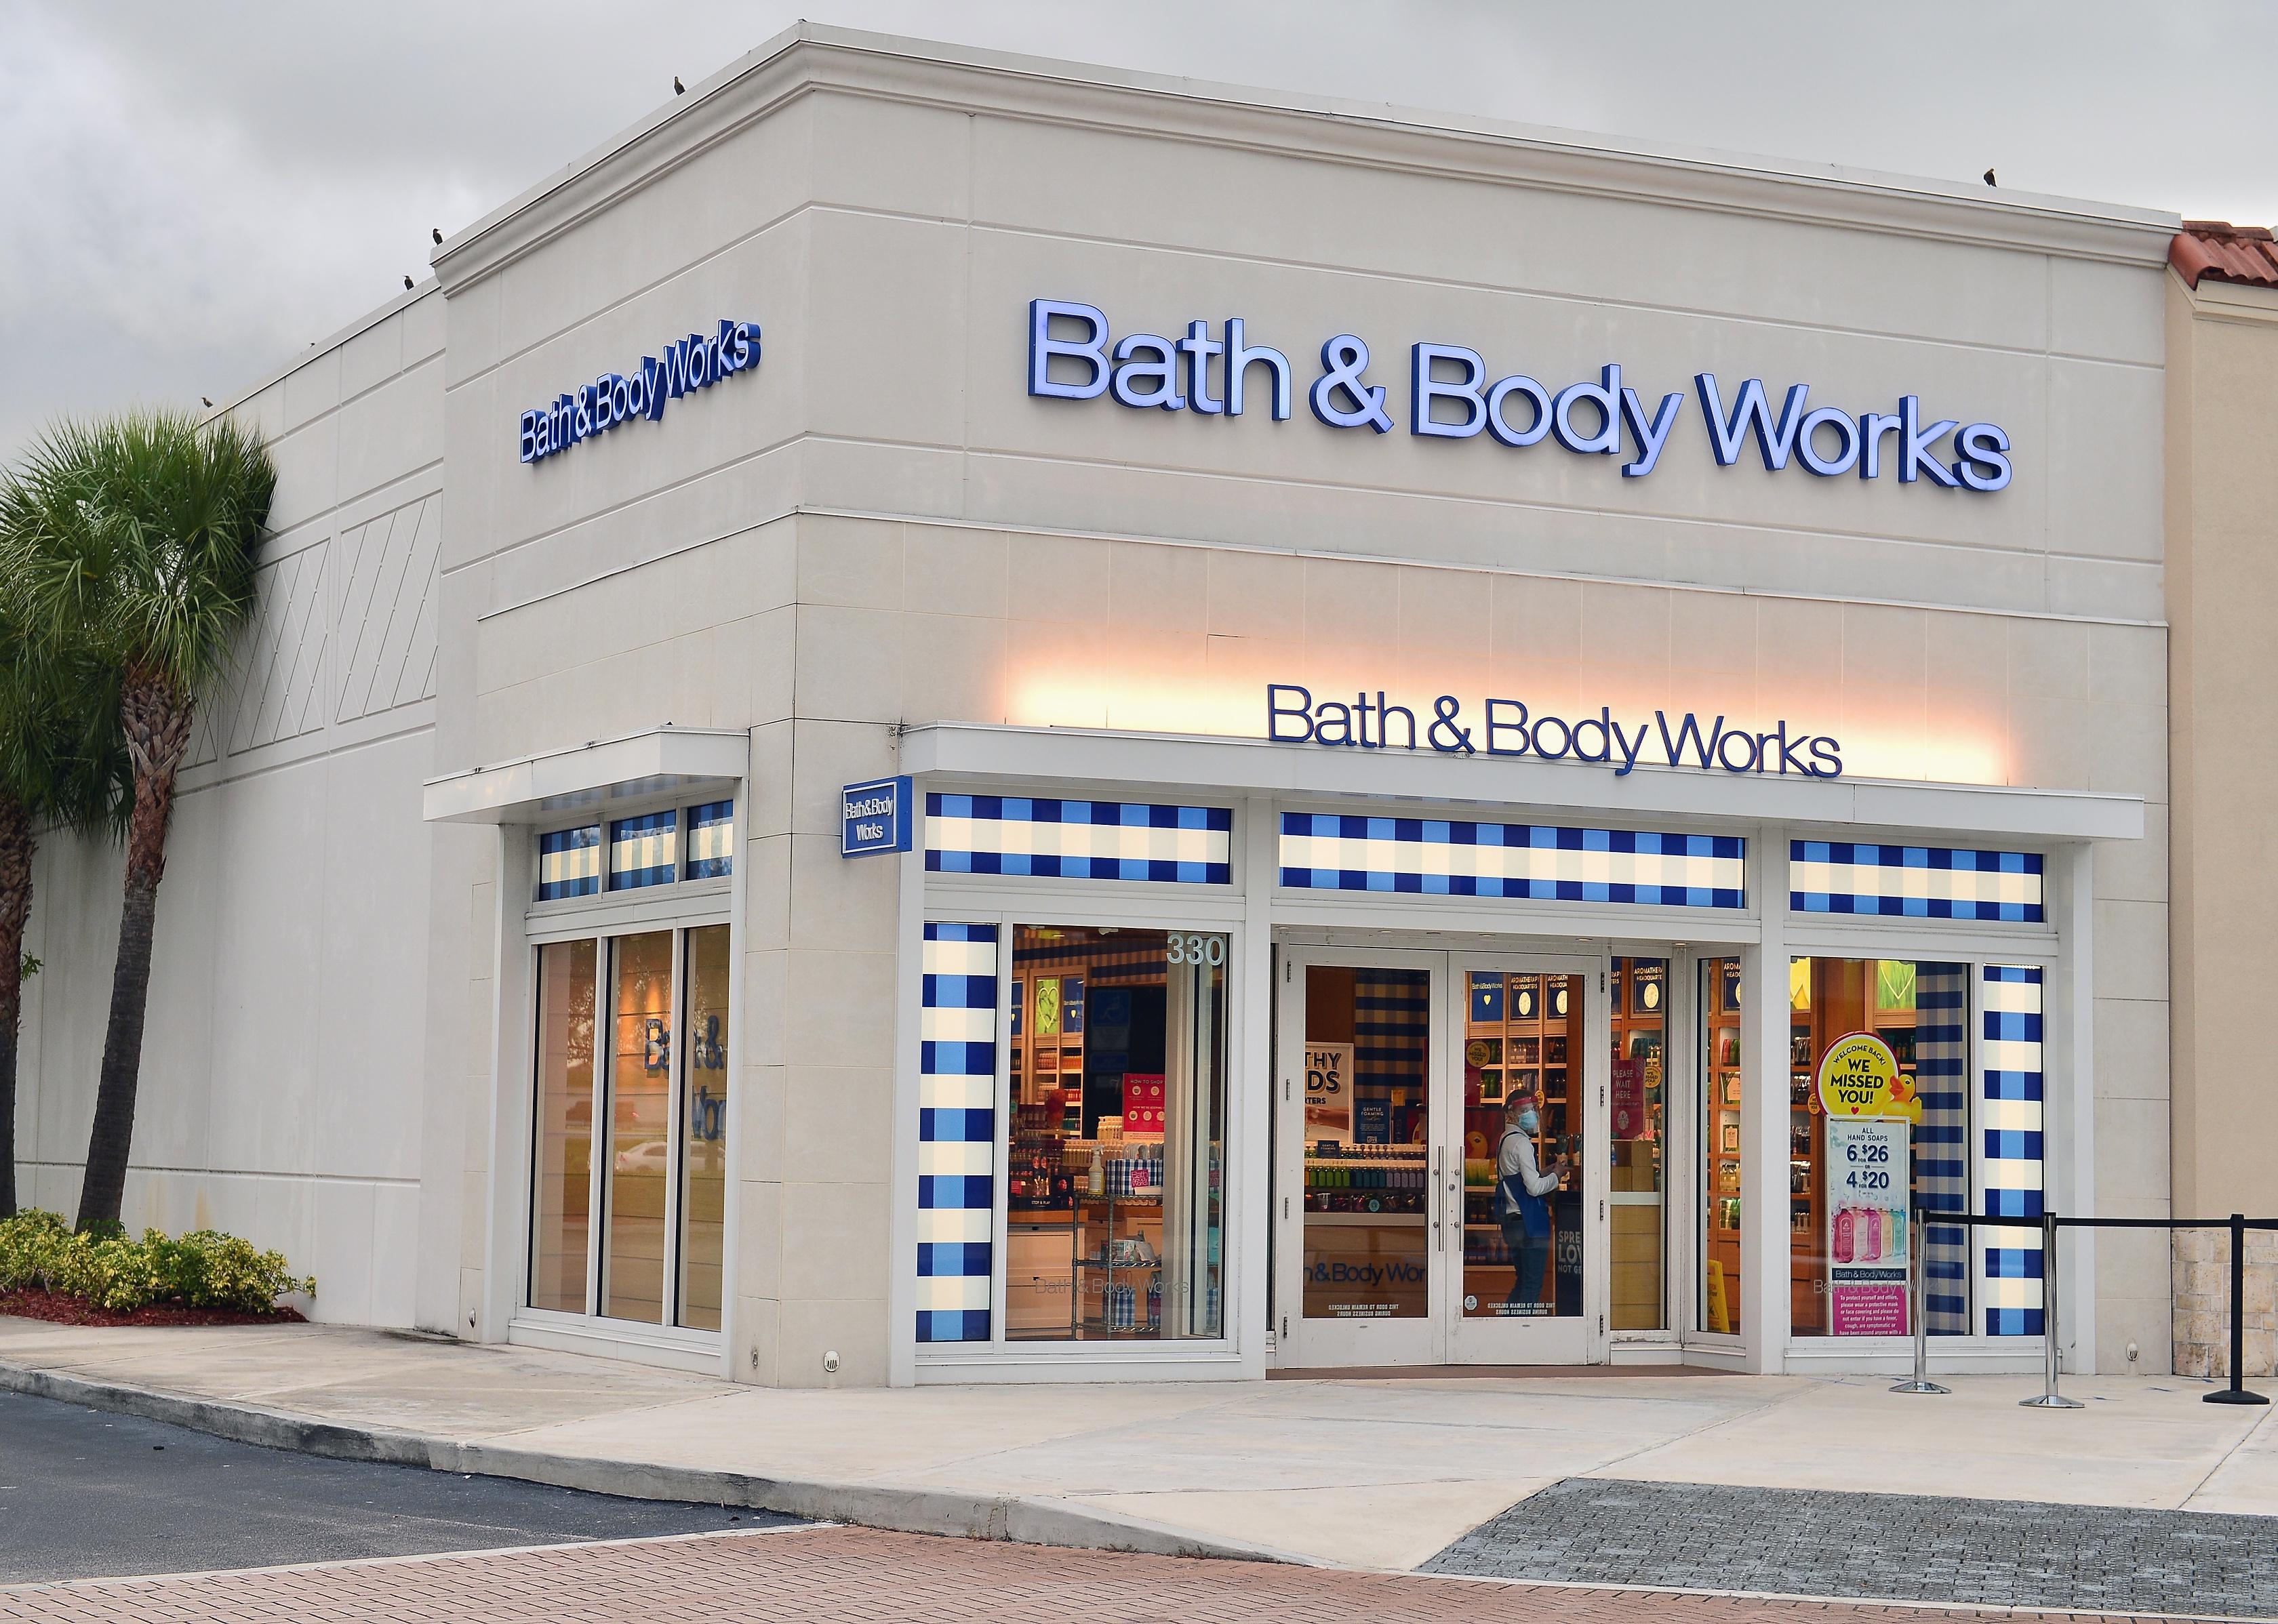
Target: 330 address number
x,y
1196,950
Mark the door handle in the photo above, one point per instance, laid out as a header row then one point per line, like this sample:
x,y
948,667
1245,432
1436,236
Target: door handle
x,y
1439,1214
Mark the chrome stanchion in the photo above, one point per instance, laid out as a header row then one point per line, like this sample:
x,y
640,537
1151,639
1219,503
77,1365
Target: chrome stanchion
x,y
1917,1244
2050,1398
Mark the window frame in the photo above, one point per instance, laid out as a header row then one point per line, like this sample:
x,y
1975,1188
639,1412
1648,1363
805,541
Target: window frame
x,y
676,907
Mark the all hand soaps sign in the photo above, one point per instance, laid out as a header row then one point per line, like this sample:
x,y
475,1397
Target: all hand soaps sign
x,y
1870,1106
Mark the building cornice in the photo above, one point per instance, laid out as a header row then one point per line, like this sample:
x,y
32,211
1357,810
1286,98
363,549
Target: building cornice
x,y
811,57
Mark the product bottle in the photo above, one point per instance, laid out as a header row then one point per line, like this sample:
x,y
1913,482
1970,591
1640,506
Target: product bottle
x,y
1874,1215
1098,1185
1846,1228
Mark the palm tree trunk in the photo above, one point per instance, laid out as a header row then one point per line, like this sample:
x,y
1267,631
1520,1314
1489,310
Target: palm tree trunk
x,y
155,710
15,911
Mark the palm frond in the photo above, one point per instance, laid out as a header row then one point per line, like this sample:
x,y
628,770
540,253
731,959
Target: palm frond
x,y
133,540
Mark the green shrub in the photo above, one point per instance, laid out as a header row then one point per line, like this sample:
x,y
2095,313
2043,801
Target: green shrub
x,y
203,1269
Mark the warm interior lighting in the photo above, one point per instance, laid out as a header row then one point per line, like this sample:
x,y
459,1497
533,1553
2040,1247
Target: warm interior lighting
x,y
1142,691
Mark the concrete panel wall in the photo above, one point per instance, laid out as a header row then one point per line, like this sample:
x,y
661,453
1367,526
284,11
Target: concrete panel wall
x,y
281,1076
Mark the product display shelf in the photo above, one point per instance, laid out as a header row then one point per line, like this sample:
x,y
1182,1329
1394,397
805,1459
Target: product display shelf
x,y
1144,1279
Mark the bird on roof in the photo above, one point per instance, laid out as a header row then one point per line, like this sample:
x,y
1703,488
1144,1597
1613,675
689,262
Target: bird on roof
x,y
1989,178
678,87
436,231
407,285
208,400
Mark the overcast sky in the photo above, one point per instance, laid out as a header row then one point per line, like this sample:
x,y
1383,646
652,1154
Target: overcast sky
x,y
189,193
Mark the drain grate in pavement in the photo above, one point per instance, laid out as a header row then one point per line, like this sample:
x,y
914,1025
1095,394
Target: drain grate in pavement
x,y
1886,1547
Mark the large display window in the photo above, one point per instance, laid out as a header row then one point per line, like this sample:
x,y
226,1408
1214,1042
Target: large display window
x,y
1900,1028
1115,1198
631,1080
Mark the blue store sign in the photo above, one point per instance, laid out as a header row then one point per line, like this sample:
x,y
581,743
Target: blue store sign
x,y
875,817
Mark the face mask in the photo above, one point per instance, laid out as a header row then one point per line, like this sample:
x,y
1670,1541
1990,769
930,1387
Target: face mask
x,y
1529,1121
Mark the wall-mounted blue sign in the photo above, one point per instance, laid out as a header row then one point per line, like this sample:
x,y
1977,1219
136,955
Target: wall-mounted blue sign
x,y
1073,356
875,817
1508,728
697,361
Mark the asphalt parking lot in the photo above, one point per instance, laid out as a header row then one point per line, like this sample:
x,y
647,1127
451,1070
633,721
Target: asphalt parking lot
x,y
84,1493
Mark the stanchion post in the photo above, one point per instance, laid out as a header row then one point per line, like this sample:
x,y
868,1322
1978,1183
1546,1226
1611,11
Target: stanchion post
x,y
1917,1249
2050,1398
2237,1393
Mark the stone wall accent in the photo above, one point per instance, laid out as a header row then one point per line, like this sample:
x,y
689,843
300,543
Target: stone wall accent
x,y
2202,1278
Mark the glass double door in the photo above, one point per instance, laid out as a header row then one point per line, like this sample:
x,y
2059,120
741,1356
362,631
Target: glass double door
x,y
1443,1156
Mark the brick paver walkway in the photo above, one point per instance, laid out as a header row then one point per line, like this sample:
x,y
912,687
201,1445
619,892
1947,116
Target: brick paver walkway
x,y
839,1574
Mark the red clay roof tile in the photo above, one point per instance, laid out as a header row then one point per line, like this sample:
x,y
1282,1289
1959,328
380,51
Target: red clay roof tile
x,y
2226,252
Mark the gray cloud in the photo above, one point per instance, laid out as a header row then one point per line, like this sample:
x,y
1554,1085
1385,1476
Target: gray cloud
x,y
193,192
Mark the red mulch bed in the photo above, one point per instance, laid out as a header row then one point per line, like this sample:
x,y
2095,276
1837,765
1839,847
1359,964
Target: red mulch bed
x,y
78,1311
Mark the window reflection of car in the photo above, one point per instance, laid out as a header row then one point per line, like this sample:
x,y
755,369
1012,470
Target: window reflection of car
x,y
647,1157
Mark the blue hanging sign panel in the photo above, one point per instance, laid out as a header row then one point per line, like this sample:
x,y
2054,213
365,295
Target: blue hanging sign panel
x,y
875,817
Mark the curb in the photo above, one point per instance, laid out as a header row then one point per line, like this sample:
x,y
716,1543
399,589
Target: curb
x,y
1018,1519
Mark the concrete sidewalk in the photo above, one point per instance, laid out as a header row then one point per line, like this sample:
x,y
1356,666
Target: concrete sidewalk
x,y
1360,1473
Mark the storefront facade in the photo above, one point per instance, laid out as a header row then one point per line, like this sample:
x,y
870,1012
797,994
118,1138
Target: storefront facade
x,y
1057,695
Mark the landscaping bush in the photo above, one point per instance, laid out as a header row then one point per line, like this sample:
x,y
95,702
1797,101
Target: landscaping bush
x,y
203,1269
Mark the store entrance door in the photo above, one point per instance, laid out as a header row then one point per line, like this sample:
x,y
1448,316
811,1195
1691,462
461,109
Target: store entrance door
x,y
1401,1076
1526,1115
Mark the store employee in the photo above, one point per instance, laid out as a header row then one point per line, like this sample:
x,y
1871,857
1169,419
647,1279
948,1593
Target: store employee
x,y
1520,1208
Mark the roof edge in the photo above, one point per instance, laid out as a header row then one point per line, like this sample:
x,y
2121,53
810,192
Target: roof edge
x,y
813,54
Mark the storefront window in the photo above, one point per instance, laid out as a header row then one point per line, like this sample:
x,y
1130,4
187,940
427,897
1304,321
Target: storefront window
x,y
1722,1161
640,1103
631,1074
1115,1173
1894,1037
1523,1047
704,1129
562,1177
1636,1212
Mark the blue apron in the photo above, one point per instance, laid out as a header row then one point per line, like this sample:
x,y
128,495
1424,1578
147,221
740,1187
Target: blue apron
x,y
1533,1211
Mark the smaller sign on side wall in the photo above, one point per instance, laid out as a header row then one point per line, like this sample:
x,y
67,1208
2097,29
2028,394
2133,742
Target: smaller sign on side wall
x,y
875,817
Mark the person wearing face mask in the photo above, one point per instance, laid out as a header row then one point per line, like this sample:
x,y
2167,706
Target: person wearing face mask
x,y
1520,1210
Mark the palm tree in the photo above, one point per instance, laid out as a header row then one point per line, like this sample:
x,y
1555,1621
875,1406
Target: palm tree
x,y
133,540
62,762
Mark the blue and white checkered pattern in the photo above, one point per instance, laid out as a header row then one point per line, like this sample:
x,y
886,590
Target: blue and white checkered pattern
x,y
1941,1140
956,1131
1921,883
2010,1119
570,864
641,850
1078,840
1437,858
712,840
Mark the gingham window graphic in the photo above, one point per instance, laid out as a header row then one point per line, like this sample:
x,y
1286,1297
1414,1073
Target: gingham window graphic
x,y
2010,1120
712,840
1078,840
1434,857
570,864
956,1131
641,850
1921,883
1941,1142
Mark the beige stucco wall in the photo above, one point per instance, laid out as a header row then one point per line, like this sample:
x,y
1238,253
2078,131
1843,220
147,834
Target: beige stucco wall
x,y
2222,586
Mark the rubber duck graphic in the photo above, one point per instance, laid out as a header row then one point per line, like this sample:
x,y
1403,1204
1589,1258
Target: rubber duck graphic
x,y
1902,1090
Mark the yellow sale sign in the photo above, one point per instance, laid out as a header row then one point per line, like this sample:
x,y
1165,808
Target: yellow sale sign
x,y
1858,1077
